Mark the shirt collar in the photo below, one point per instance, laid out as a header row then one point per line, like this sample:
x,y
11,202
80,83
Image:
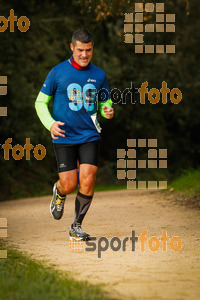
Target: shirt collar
x,y
76,65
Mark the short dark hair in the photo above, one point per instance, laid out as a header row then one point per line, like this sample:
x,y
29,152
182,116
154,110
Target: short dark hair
x,y
82,36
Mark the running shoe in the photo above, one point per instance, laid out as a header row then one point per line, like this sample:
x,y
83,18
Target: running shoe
x,y
57,204
76,233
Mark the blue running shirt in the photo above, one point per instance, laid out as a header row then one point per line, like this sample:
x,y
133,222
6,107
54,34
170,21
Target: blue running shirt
x,y
75,96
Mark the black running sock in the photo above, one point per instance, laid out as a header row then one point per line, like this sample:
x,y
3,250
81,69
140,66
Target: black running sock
x,y
82,204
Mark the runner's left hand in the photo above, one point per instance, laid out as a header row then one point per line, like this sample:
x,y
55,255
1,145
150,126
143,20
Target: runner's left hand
x,y
108,111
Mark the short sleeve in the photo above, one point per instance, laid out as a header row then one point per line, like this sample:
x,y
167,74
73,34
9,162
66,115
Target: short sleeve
x,y
49,85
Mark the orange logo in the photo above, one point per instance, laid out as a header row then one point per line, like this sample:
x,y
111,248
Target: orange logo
x,y
23,22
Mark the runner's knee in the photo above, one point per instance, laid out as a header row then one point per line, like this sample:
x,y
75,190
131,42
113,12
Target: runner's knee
x,y
68,186
87,180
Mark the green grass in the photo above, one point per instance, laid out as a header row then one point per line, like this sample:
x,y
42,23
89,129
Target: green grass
x,y
186,189
188,183
22,278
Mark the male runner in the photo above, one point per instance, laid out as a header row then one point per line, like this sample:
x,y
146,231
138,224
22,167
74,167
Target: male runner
x,y
74,127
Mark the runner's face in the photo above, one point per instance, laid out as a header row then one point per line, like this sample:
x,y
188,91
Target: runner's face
x,y
82,52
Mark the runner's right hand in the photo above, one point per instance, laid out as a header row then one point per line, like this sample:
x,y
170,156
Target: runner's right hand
x,y
55,130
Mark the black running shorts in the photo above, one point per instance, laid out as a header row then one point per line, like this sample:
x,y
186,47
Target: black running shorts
x,y
68,155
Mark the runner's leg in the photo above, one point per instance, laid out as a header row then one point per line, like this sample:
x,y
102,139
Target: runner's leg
x,y
88,160
85,193
83,201
67,181
66,156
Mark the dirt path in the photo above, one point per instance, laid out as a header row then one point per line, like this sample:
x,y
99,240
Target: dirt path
x,y
143,275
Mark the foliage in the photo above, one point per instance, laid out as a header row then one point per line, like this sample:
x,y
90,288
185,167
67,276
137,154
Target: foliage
x,y
188,182
27,57
185,190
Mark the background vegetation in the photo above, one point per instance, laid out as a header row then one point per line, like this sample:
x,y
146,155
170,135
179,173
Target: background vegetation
x,y
26,58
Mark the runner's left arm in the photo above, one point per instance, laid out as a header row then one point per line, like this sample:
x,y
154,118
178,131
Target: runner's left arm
x,y
106,101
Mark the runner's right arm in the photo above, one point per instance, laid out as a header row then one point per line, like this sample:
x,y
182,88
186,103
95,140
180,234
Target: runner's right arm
x,y
41,106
